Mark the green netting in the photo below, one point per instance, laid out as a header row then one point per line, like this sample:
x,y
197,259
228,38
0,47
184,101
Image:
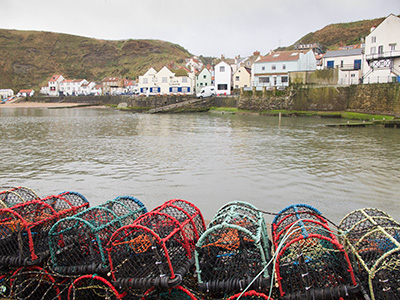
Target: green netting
x,y
77,243
373,237
233,251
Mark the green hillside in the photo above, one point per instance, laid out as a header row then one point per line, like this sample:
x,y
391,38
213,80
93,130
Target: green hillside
x,y
29,58
333,36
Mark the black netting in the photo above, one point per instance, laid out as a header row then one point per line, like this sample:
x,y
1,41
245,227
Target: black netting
x,y
373,237
310,262
234,250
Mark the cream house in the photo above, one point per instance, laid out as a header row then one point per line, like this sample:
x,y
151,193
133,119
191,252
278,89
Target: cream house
x,y
242,78
382,52
166,82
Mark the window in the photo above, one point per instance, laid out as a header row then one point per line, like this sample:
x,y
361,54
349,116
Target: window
x,y
164,80
392,47
341,63
237,78
373,50
283,67
357,64
236,86
222,69
222,87
184,79
273,67
284,79
263,68
373,39
204,76
145,80
263,79
380,49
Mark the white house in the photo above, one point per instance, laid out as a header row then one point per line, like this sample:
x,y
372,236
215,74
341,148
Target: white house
x,y
204,78
193,64
147,82
87,88
273,70
53,86
348,62
382,52
5,93
25,93
72,86
223,78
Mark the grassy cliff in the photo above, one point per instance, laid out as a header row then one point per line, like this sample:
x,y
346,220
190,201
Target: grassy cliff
x,y
29,58
341,34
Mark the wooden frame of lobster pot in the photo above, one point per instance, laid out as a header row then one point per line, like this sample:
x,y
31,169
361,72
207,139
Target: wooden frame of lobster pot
x,y
373,237
234,251
310,262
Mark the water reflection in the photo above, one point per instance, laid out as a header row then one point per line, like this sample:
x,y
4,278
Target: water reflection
x,y
208,159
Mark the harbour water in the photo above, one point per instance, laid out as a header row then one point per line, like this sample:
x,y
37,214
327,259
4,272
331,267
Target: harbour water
x,y
207,159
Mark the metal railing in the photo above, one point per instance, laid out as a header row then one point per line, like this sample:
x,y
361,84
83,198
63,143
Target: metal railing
x,y
386,54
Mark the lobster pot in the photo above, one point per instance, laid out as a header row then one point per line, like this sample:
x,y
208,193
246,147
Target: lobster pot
x,y
175,293
155,250
67,204
77,243
24,232
233,251
93,287
127,207
374,239
188,215
250,295
10,196
35,283
310,262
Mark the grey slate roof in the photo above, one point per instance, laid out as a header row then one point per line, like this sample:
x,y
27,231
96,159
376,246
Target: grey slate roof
x,y
339,53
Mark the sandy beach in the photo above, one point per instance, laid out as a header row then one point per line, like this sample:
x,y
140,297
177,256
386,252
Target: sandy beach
x,y
43,105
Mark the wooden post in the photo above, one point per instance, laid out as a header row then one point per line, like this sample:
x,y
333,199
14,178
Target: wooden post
x,y
280,119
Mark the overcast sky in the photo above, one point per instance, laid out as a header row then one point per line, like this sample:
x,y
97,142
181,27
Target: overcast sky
x,y
203,27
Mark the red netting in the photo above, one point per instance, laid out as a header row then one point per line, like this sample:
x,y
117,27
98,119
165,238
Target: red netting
x,y
249,295
157,249
24,233
310,262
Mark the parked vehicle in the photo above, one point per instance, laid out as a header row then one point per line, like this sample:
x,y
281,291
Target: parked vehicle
x,y
207,91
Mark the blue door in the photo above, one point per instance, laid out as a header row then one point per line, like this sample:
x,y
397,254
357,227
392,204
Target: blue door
x,y
357,64
329,64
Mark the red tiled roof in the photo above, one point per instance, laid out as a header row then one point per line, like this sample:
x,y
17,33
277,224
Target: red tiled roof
x,y
281,56
55,78
25,91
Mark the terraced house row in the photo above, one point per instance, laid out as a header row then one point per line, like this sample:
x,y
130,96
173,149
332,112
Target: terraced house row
x,y
375,60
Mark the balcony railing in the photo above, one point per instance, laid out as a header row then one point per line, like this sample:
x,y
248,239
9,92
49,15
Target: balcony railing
x,y
383,55
350,67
